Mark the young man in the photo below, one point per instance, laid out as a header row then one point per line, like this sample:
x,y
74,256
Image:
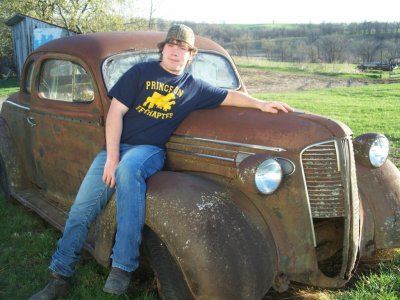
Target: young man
x,y
135,139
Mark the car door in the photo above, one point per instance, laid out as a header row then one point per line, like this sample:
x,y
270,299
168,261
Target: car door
x,y
66,120
16,115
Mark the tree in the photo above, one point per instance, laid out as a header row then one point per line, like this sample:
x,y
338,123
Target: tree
x,y
312,45
242,45
75,15
267,46
332,47
366,49
282,48
154,5
392,50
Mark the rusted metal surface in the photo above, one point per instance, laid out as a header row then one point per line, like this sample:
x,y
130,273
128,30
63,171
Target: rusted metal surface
x,y
219,245
287,212
256,128
12,164
380,193
91,47
205,206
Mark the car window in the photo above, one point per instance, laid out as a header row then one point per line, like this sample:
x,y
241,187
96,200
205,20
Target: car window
x,y
64,80
209,66
115,66
29,78
214,69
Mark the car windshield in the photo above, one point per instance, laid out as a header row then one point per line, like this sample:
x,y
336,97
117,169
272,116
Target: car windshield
x,y
209,66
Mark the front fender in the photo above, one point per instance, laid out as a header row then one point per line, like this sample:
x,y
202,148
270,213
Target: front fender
x,y
380,200
218,241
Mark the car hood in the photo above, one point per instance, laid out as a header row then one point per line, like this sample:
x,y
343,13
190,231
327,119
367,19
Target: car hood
x,y
291,131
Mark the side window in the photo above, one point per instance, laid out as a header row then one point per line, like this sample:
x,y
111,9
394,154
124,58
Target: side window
x,y
29,78
65,81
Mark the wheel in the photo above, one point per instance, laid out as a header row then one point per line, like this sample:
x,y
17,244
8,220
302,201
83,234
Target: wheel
x,y
4,183
171,284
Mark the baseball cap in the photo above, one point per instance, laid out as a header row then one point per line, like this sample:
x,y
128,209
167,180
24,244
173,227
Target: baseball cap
x,y
181,33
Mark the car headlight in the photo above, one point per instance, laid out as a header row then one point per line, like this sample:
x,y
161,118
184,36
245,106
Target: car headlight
x,y
268,176
371,149
262,173
379,151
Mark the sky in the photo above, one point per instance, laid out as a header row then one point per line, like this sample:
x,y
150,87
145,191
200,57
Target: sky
x,y
275,11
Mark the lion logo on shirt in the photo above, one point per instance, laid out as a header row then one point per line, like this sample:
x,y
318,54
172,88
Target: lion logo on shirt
x,y
160,101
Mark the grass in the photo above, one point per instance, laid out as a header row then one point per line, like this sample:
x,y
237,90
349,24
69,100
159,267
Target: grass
x,y
27,242
26,246
382,282
347,71
9,86
372,108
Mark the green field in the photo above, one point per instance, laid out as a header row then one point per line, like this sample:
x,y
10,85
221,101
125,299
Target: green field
x,y
372,108
347,71
27,243
8,86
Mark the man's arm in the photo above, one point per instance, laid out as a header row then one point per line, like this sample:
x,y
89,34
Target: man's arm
x,y
113,138
239,99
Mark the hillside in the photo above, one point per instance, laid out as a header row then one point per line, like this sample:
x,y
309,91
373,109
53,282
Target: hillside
x,y
327,42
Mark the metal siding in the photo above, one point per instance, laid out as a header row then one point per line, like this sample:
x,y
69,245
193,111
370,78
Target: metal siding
x,y
23,39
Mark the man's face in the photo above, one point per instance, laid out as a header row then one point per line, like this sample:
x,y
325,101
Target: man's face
x,y
175,57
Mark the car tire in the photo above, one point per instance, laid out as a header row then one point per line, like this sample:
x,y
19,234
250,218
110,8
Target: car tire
x,y
171,284
4,181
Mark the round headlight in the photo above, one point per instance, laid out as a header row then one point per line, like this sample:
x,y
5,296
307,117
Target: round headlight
x,y
268,176
371,149
379,151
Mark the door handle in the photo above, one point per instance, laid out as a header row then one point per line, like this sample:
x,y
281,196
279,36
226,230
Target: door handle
x,y
31,121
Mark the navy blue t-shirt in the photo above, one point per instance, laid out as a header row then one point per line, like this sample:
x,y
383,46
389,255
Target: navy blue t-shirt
x,y
158,101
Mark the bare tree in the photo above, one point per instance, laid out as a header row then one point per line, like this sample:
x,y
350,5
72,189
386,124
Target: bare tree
x,y
154,5
312,44
242,44
268,46
366,49
332,47
391,50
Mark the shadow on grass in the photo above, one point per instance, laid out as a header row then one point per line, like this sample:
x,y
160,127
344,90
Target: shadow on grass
x,y
384,262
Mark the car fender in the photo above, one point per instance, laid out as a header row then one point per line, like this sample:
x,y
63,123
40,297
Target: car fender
x,y
380,198
221,246
10,157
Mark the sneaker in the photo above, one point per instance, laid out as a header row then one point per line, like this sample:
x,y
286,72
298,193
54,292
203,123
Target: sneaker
x,y
117,281
57,286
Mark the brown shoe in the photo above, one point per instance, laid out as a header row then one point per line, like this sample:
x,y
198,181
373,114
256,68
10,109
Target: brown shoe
x,y
57,286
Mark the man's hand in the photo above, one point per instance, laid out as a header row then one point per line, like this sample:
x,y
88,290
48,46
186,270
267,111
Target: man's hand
x,y
113,135
274,107
109,172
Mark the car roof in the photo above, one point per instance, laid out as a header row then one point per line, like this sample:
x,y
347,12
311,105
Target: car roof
x,y
104,44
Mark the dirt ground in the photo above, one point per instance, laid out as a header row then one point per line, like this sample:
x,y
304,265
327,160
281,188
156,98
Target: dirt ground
x,y
258,81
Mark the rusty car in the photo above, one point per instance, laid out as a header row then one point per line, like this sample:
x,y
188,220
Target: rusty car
x,y
246,202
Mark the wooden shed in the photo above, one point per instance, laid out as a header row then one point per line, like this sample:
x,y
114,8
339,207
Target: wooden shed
x,y
29,33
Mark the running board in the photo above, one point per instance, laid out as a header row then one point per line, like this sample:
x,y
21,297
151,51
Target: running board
x,y
32,199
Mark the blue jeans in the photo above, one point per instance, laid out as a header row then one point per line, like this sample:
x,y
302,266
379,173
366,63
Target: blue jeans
x,y
137,163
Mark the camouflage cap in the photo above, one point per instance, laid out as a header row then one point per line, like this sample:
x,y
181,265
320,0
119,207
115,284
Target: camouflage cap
x,y
181,33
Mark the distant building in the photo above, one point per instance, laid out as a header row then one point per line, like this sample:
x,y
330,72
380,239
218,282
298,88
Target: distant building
x,y
29,33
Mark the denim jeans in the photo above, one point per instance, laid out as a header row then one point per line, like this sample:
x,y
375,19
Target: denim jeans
x,y
137,163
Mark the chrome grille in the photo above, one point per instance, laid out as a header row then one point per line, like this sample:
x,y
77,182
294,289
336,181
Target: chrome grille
x,y
323,178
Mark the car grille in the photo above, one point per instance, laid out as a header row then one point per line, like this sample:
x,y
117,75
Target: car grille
x,y
323,176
